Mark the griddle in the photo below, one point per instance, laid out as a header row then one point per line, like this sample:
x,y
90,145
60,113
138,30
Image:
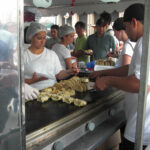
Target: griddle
x,y
39,114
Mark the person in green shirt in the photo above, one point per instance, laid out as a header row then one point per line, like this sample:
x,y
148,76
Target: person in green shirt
x,y
80,43
100,42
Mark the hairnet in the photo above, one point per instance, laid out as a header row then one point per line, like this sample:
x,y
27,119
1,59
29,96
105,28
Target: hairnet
x,y
33,29
65,30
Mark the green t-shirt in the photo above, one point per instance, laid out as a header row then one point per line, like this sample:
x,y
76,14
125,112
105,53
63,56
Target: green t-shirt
x,y
100,45
80,45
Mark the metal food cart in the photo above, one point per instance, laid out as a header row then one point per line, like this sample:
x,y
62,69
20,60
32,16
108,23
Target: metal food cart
x,y
68,128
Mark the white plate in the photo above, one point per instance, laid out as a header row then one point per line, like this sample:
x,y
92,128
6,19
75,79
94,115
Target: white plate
x,y
99,67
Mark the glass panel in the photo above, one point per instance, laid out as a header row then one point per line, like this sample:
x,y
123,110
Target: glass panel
x,y
10,116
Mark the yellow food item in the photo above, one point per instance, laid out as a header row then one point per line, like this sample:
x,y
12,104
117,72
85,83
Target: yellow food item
x,y
43,99
79,103
56,97
85,80
68,100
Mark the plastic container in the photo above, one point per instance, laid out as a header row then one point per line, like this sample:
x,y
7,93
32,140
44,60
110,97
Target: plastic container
x,y
90,65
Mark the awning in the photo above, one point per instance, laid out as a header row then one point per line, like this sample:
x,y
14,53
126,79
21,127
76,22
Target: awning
x,y
84,6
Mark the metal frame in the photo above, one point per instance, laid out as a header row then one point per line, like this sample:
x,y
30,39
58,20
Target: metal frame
x,y
144,79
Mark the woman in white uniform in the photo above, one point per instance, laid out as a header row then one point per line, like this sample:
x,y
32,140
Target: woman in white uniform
x,y
125,56
66,33
127,78
41,66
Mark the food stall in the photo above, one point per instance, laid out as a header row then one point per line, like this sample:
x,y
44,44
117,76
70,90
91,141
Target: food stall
x,y
49,125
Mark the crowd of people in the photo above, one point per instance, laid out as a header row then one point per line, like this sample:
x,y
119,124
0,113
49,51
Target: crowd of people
x,y
49,60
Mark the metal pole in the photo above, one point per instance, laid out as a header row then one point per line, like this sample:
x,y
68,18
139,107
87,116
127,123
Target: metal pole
x,y
143,79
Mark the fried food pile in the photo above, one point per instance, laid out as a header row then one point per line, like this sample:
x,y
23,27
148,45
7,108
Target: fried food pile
x,y
88,51
64,90
107,62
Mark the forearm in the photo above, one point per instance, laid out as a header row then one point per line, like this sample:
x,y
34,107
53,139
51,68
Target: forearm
x,y
79,53
63,74
121,71
68,62
128,84
28,81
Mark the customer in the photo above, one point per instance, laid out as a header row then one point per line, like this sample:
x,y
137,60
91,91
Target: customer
x,y
80,43
127,78
41,66
100,42
66,34
50,42
127,51
107,17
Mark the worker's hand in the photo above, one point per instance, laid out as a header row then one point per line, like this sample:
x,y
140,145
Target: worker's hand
x,y
101,83
95,74
78,53
73,71
113,54
30,92
36,78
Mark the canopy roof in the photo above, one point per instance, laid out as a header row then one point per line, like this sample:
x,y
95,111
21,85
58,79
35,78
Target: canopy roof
x,y
80,6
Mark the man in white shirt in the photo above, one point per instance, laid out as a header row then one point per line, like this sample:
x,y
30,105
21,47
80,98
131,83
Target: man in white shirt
x,y
127,78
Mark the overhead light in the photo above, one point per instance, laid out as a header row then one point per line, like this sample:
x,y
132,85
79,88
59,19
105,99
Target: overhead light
x,y
42,3
110,1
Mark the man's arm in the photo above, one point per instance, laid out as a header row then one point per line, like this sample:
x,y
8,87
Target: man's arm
x,y
66,73
128,83
121,71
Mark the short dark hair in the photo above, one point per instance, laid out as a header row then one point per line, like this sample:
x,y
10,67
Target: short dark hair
x,y
134,11
106,16
80,24
118,24
55,27
101,22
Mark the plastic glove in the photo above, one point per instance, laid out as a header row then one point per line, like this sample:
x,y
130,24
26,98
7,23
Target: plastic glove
x,y
30,92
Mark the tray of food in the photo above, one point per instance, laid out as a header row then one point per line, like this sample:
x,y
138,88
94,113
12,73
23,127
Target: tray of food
x,y
101,64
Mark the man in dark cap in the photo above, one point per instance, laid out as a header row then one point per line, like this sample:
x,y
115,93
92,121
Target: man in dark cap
x,y
127,78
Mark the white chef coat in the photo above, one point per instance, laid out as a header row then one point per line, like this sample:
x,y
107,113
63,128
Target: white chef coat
x,y
63,53
45,64
127,50
131,100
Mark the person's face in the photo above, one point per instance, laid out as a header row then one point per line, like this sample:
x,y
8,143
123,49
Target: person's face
x,y
38,41
80,31
131,29
69,38
100,29
118,35
54,33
